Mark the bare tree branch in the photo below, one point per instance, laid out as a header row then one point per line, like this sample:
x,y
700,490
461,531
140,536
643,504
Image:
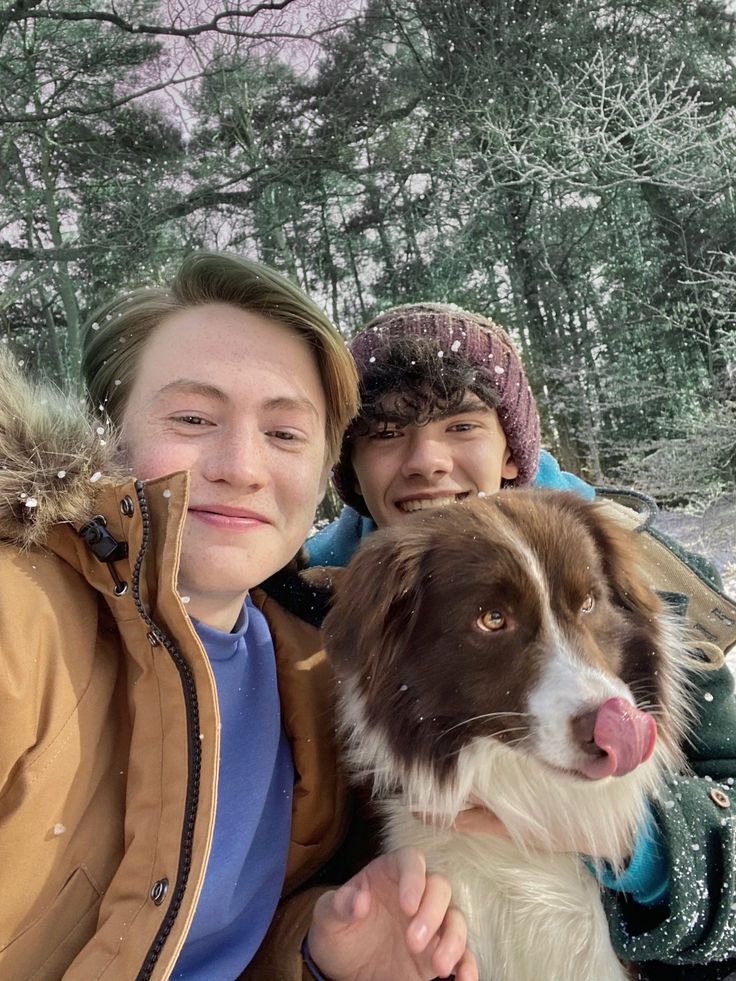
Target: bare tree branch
x,y
28,10
105,107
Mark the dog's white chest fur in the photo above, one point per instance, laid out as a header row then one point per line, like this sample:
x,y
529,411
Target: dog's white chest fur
x,y
530,916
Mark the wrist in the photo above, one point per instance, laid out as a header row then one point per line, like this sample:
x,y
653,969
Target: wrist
x,y
646,875
309,963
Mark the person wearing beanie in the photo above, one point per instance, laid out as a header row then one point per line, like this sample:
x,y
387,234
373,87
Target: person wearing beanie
x,y
446,414
448,380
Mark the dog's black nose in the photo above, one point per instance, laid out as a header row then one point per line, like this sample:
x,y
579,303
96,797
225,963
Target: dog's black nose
x,y
583,727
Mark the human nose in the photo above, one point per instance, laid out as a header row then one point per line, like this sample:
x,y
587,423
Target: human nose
x,y
427,455
238,457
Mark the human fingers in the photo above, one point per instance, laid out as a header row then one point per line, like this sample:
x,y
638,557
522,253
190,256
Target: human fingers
x,y
431,912
467,968
344,905
480,820
410,871
475,819
452,944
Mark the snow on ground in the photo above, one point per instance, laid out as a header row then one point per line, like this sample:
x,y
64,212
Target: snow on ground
x,y
712,532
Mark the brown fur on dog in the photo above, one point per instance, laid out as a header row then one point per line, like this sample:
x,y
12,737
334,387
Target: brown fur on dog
x,y
481,651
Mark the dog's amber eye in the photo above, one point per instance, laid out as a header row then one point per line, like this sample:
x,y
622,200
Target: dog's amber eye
x,y
491,620
588,603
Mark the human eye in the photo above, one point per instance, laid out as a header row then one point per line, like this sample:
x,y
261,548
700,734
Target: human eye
x,y
462,427
385,433
189,419
287,435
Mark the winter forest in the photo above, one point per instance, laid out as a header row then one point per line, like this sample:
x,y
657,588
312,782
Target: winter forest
x,y
566,168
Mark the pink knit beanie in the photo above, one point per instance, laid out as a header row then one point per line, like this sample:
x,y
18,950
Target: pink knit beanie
x,y
488,349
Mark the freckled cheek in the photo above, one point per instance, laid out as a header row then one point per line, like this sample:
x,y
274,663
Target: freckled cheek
x,y
146,449
157,461
303,486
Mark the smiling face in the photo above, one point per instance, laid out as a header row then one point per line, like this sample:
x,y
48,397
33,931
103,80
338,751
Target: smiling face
x,y
404,468
237,400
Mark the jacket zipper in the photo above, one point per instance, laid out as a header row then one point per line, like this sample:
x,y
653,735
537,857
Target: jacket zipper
x,y
194,747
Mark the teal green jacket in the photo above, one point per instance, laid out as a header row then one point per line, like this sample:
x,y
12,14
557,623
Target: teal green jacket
x,y
695,925
697,821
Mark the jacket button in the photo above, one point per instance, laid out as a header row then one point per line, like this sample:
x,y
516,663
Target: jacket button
x,y
127,507
719,797
159,890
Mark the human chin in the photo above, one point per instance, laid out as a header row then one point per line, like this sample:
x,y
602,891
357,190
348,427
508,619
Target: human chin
x,y
212,562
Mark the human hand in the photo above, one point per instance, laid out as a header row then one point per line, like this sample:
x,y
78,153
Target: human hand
x,y
391,920
477,819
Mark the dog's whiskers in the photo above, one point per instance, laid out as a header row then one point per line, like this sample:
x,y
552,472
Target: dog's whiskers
x,y
477,718
503,732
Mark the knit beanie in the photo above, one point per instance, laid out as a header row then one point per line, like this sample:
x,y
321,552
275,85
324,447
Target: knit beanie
x,y
486,347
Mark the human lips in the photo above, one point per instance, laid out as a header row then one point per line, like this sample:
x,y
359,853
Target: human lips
x,y
426,501
228,518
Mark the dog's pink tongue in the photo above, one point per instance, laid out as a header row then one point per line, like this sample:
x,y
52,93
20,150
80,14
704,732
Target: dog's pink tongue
x,y
627,736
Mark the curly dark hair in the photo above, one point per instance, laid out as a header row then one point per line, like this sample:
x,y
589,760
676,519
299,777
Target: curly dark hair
x,y
409,383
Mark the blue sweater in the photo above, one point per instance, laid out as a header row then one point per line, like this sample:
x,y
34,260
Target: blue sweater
x,y
246,869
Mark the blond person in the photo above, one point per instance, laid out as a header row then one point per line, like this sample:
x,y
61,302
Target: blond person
x,y
167,768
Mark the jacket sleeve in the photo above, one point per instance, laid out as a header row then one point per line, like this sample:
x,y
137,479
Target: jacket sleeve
x,y
551,475
279,955
696,818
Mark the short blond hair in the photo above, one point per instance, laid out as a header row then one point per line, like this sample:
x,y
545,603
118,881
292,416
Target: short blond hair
x,y
118,331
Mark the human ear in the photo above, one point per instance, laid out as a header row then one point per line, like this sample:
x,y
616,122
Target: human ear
x,y
357,489
324,477
509,470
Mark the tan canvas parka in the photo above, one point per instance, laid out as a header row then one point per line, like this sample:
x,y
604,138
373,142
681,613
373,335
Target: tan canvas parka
x,y
109,734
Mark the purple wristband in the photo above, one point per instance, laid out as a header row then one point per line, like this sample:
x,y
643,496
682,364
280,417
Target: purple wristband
x,y
307,958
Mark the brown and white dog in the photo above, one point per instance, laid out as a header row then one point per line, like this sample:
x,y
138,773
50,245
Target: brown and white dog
x,y
506,652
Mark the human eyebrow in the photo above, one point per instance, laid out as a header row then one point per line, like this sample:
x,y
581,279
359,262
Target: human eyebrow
x,y
188,386
372,426
289,403
467,407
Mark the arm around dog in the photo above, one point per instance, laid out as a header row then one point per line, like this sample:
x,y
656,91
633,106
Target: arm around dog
x,y
696,823
693,924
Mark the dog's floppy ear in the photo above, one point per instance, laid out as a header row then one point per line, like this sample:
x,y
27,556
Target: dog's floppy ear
x,y
374,606
620,552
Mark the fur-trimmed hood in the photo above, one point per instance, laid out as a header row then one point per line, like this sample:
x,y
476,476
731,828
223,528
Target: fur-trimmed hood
x,y
52,456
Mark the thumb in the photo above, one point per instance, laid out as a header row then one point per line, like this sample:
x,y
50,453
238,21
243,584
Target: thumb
x,y
347,904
